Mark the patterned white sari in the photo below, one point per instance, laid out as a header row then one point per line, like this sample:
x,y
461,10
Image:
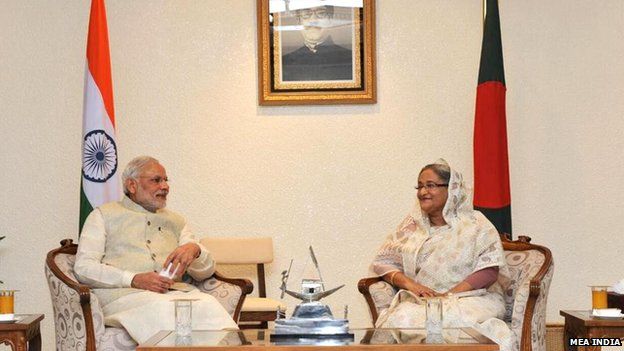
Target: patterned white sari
x,y
440,258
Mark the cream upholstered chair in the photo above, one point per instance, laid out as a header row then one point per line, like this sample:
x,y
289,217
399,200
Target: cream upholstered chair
x,y
531,267
247,251
78,317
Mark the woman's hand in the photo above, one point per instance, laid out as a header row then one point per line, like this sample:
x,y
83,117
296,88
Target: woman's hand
x,y
420,290
399,280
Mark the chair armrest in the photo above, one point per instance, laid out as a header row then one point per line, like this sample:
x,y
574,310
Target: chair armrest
x,y
532,270
378,294
70,296
230,292
538,320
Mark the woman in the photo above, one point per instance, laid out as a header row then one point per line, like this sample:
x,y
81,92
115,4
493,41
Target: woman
x,y
443,248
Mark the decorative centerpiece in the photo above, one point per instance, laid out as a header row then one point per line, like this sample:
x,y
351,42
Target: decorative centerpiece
x,y
311,319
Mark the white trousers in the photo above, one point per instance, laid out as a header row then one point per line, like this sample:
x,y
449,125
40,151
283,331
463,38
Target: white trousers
x,y
145,313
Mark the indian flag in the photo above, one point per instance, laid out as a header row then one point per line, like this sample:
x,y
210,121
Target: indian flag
x,y
100,180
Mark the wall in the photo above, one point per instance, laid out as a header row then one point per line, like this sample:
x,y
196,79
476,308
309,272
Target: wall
x,y
336,177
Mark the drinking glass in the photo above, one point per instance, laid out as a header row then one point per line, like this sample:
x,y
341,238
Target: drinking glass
x,y
599,296
7,302
183,317
184,340
433,322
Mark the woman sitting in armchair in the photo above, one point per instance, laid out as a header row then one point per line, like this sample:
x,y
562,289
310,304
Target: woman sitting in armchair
x,y
443,248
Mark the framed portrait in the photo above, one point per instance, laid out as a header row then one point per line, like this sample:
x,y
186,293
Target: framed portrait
x,y
316,52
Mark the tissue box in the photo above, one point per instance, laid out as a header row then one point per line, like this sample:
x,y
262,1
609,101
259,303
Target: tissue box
x,y
615,300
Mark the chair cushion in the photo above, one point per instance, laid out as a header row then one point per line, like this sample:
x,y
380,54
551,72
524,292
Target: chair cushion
x,y
227,294
382,294
69,321
259,304
523,265
65,262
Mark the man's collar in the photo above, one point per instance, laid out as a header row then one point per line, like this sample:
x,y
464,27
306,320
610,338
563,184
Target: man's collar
x,y
131,205
314,46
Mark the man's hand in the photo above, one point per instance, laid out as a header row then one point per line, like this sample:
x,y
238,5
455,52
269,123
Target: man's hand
x,y
151,281
184,255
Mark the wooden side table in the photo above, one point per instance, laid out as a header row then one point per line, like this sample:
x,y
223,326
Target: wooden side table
x,y
25,330
580,324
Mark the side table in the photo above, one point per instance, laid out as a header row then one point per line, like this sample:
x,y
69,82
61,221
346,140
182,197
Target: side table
x,y
580,324
25,330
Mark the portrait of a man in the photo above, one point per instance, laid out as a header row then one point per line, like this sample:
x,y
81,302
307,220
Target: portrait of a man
x,y
318,58
316,51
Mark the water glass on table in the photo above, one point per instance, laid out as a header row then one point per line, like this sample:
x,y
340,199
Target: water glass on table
x,y
433,322
183,317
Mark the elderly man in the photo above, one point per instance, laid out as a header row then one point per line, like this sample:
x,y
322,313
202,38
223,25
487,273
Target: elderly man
x,y
125,245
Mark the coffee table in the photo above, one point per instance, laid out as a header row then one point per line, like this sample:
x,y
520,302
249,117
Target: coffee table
x,y
580,324
464,339
24,330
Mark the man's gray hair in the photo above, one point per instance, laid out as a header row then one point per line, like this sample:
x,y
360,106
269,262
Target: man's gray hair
x,y
134,168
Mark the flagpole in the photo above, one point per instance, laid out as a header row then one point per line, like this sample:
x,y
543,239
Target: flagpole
x,y
484,10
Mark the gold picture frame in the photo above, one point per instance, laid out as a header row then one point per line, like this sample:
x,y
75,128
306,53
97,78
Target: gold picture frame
x,y
316,52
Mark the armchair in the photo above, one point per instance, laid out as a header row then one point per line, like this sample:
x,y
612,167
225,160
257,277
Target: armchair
x,y
78,317
531,268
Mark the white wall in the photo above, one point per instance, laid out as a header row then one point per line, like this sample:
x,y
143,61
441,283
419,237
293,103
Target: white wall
x,y
337,177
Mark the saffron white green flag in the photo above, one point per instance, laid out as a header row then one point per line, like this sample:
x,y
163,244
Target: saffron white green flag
x,y
100,179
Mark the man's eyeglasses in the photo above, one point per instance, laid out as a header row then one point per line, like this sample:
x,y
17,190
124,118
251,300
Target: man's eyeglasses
x,y
429,186
320,12
156,180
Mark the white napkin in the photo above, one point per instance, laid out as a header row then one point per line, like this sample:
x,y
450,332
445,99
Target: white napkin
x,y
5,317
619,287
607,312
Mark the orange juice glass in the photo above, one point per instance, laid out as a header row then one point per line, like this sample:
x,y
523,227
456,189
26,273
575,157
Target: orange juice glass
x,y
599,296
7,301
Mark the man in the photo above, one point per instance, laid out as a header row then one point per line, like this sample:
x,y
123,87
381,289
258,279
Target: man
x,y
125,245
319,59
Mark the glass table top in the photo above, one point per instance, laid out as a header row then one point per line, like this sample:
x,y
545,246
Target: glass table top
x,y
257,337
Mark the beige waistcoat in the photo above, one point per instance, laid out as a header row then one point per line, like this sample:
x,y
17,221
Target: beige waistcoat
x,y
137,241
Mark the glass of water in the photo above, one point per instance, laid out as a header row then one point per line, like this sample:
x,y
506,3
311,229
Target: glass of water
x,y
433,322
183,317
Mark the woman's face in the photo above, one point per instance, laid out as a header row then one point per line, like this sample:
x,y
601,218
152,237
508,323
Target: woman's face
x,y
431,200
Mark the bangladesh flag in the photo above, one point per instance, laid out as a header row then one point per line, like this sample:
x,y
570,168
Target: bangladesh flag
x,y
491,162
100,180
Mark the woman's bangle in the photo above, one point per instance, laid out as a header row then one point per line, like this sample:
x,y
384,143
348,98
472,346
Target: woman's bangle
x,y
392,277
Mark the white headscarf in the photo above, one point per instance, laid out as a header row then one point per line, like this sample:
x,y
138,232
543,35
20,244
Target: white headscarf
x,y
457,212
457,206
